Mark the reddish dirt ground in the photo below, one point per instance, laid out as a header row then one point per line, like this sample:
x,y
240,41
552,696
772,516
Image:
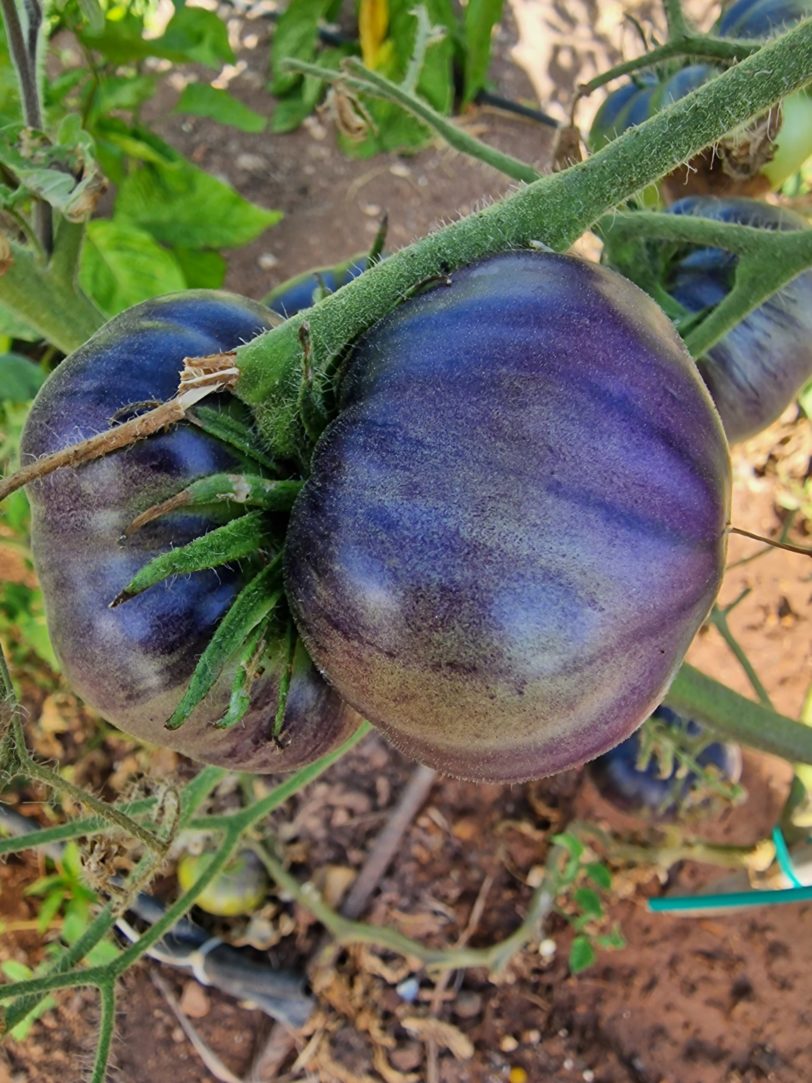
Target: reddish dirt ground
x,y
713,999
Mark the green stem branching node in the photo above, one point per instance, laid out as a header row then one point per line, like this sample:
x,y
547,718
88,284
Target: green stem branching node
x,y
555,210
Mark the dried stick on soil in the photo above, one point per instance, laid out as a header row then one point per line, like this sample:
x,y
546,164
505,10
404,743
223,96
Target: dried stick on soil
x,y
279,1043
208,1056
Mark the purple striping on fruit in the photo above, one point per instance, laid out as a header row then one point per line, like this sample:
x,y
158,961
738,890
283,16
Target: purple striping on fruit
x,y
517,521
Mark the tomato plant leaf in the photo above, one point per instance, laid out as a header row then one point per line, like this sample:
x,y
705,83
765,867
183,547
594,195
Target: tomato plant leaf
x,y
480,18
203,100
295,36
181,205
588,900
582,954
196,34
202,268
20,378
599,874
122,265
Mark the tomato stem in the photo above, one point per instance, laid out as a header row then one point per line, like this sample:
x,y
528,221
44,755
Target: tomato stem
x,y
555,210
200,377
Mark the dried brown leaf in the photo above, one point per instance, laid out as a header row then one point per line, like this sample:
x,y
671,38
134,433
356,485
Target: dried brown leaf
x,y
444,1034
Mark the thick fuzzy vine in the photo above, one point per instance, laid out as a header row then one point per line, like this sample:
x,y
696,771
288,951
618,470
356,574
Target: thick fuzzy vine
x,y
554,210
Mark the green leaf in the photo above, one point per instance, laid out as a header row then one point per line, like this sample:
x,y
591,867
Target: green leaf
x,y
599,874
11,326
92,11
480,18
198,35
202,269
241,537
254,602
49,909
614,939
192,34
124,92
582,954
16,970
588,900
203,100
20,378
122,265
571,843
295,36
181,205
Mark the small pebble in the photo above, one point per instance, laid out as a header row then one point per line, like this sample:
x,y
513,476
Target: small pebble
x,y
517,1075
467,1005
547,948
408,990
251,163
407,1057
194,1001
508,1044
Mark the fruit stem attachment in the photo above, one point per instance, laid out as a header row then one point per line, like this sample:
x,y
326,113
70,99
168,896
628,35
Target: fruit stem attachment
x,y
801,550
201,376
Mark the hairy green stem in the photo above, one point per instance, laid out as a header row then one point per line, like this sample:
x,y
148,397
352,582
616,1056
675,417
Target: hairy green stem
x,y
768,260
61,975
494,958
689,43
724,711
718,619
555,210
54,781
369,82
672,847
51,304
107,1028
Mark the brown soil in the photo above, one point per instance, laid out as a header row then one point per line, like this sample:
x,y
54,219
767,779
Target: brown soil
x,y
718,999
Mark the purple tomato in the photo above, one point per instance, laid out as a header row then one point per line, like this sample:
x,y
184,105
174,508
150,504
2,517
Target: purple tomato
x,y
516,523
759,367
133,662
632,789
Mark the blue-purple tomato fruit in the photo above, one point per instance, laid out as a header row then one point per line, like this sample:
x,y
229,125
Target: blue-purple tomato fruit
x,y
133,662
516,523
753,160
619,779
306,289
759,367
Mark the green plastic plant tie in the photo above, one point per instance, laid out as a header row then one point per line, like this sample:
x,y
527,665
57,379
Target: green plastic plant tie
x,y
783,857
734,900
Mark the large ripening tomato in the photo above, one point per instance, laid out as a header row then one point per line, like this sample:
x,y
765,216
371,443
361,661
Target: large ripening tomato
x,y
517,521
759,367
133,662
751,161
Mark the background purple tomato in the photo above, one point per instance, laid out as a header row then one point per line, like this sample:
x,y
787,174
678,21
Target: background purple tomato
x,y
759,367
133,662
516,524
305,289
625,785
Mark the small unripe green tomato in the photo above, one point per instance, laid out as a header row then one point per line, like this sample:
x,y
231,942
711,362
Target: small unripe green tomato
x,y
239,889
